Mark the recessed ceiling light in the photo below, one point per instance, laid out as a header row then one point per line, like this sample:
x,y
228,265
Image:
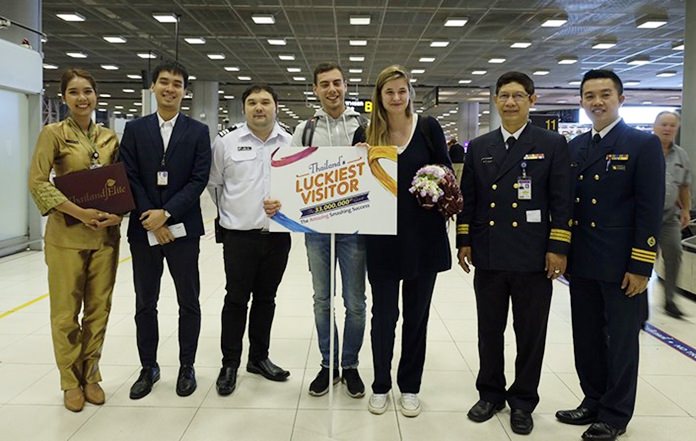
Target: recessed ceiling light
x,y
221,92
651,23
574,83
353,93
50,66
192,77
520,45
307,92
356,58
288,57
165,17
439,43
667,73
231,68
426,59
413,80
637,61
678,47
104,95
358,42
118,107
360,20
276,41
646,102
195,40
486,112
128,91
567,60
541,72
71,16
244,78
102,110
76,54
554,23
216,56
117,112
478,72
132,110
261,19
102,103
355,70
456,22
134,77
299,78
294,69
604,45
185,108
355,80
631,83
109,67
146,55
417,71
674,97
137,104
115,39
496,60
228,97
464,81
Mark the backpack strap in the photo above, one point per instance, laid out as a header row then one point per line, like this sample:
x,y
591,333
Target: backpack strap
x,y
308,132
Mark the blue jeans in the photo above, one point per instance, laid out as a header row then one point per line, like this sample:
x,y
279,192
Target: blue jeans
x,y
350,253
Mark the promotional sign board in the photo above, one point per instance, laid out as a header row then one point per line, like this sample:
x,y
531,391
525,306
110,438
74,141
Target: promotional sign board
x,y
335,189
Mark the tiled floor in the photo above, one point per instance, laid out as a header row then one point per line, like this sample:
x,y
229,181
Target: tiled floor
x,y
31,401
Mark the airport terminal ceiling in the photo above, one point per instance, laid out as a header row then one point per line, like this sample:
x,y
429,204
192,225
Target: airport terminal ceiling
x,y
220,40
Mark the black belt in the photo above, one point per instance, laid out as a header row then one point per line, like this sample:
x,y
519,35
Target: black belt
x,y
254,231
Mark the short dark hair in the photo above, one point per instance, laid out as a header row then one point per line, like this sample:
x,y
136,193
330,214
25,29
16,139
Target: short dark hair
x,y
515,77
173,67
71,73
598,74
258,88
325,67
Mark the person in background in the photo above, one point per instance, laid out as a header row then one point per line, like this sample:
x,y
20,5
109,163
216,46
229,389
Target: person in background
x,y
254,258
81,259
677,210
409,261
456,153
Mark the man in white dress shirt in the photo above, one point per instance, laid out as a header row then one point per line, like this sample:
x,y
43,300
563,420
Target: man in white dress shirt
x,y
255,259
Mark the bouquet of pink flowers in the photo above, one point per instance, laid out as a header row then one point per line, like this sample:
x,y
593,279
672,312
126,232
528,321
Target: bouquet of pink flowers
x,y
436,186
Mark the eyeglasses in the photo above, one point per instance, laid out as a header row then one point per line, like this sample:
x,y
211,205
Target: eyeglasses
x,y
517,97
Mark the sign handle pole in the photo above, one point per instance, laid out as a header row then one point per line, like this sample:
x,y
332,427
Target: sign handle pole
x,y
332,320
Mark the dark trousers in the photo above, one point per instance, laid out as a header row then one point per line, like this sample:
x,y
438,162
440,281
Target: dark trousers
x,y
606,324
148,264
254,263
416,297
530,293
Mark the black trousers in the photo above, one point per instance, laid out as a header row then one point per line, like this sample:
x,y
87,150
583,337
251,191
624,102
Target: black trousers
x,y
148,265
254,263
417,294
606,325
530,293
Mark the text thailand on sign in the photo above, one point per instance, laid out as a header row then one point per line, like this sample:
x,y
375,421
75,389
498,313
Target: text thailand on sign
x,y
335,189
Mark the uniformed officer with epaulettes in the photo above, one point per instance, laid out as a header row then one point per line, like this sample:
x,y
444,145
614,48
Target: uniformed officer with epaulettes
x,y
619,197
515,230
255,259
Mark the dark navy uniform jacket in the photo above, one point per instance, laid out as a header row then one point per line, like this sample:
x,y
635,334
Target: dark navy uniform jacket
x,y
619,197
507,233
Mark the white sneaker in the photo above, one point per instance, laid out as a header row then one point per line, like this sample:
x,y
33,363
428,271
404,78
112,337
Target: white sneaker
x,y
410,405
378,403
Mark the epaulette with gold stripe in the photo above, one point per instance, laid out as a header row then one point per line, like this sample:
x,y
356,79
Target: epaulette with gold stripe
x,y
463,229
646,256
560,235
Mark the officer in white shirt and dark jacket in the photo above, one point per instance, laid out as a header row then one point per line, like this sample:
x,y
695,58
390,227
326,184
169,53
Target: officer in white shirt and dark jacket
x,y
255,259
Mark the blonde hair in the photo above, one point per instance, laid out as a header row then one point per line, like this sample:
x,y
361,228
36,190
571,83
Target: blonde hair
x,y
378,130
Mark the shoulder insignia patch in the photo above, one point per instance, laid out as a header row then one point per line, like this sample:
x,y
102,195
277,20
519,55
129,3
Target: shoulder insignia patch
x,y
224,132
651,241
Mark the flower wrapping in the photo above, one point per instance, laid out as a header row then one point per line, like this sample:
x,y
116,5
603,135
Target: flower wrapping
x,y
436,186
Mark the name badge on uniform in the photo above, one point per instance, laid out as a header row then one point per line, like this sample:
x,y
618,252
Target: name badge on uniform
x,y
162,178
487,160
524,188
243,148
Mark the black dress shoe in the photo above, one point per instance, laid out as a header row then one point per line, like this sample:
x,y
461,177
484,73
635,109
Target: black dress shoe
x,y
186,382
577,417
226,381
143,385
521,421
484,410
268,370
602,432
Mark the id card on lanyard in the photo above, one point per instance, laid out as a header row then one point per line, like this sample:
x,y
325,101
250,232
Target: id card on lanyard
x,y
524,184
162,174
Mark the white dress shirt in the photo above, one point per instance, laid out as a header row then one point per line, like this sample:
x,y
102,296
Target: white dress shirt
x,y
240,176
515,135
166,129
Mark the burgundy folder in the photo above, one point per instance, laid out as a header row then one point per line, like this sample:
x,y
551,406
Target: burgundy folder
x,y
105,188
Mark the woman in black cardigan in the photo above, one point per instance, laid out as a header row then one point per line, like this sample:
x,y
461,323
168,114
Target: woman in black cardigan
x,y
416,254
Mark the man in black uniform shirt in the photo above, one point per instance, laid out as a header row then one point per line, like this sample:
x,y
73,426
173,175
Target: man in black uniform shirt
x,y
515,230
619,195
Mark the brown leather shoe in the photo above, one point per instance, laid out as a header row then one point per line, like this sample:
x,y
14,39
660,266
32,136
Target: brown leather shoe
x,y
94,394
74,399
